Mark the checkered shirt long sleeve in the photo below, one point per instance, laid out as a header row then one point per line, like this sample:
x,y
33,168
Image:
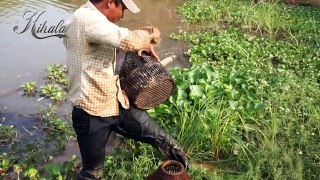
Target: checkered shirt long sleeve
x,y
90,44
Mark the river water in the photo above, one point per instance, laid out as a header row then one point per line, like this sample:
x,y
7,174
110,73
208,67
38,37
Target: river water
x,y
24,58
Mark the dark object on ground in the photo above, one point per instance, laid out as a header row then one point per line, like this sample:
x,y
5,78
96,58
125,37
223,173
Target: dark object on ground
x,y
144,80
169,170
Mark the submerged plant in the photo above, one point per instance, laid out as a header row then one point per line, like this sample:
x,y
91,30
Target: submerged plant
x,y
5,164
56,72
7,134
50,89
65,171
31,173
56,129
29,87
56,84
59,95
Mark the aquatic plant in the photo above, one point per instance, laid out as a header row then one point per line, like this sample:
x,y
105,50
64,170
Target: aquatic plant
x,y
7,134
29,87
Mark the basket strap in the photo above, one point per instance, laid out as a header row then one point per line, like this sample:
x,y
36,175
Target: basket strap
x,y
114,60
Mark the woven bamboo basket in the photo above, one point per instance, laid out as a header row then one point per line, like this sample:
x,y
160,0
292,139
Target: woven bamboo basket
x,y
145,80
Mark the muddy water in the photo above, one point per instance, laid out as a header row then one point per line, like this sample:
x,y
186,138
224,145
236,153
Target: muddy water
x,y
24,57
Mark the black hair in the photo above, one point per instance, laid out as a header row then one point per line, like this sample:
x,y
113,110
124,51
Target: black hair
x,y
117,2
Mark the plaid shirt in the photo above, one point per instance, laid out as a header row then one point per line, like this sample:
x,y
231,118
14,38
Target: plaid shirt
x,y
90,45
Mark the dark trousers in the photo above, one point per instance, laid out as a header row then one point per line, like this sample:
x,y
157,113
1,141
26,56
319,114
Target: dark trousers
x,y
93,134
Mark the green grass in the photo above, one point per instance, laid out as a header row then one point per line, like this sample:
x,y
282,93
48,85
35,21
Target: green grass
x,y
271,19
265,94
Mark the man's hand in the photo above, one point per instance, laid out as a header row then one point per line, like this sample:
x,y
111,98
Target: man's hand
x,y
150,49
154,39
154,34
149,29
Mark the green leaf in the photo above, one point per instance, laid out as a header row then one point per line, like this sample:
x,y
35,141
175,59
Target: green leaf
x,y
202,82
74,158
176,74
250,105
234,94
259,106
245,87
163,109
56,168
5,163
184,84
194,74
232,78
239,79
250,95
68,166
234,105
209,72
227,86
152,112
182,94
173,99
196,91
181,104
211,89
31,173
204,52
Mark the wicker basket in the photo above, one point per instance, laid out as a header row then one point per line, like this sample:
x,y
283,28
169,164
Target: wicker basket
x,y
145,80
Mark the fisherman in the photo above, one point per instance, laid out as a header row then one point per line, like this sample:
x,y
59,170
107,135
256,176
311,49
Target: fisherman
x,y
99,105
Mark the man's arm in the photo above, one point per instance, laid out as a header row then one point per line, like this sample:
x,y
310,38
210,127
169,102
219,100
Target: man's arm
x,y
136,40
99,30
139,41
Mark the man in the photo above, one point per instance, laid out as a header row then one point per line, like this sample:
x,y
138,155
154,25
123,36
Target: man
x,y
99,105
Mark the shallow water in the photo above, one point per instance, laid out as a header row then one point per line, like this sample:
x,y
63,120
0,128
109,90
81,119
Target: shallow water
x,y
24,57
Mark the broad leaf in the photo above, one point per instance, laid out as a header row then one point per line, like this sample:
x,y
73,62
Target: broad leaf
x,y
194,75
234,105
182,95
196,91
259,106
184,84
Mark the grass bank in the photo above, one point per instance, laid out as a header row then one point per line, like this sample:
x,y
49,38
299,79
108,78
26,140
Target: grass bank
x,y
250,103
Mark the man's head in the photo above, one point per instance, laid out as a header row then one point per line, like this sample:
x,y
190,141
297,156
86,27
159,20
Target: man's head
x,y
113,9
